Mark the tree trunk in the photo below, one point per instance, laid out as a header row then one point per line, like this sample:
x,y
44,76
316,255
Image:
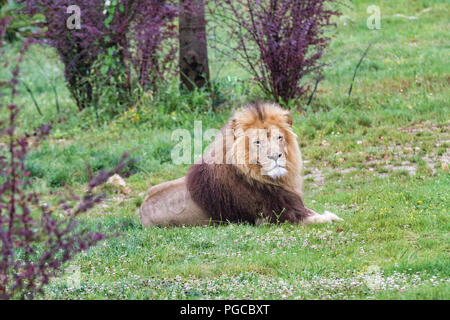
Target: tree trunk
x,y
193,63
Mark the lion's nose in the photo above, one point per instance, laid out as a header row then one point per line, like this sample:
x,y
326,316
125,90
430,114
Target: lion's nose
x,y
275,157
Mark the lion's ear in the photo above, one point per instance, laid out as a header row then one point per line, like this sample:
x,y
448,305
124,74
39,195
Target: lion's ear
x,y
288,119
233,123
234,126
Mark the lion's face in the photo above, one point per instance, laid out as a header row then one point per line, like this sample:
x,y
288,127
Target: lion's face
x,y
265,147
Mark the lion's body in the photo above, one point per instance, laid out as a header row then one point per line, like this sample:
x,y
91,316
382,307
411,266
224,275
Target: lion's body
x,y
227,195
169,203
243,177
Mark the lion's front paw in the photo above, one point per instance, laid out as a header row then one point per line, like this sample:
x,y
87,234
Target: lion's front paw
x,y
322,218
331,216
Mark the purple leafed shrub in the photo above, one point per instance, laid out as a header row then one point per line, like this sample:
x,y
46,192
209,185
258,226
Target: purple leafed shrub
x,y
278,41
120,46
34,243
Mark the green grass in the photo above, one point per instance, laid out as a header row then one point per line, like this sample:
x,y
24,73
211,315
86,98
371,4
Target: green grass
x,y
377,159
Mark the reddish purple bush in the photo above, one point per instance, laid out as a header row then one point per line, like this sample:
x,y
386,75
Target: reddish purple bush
x,y
119,47
278,41
34,243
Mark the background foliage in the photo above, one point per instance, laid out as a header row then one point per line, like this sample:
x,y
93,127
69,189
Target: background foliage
x,y
122,48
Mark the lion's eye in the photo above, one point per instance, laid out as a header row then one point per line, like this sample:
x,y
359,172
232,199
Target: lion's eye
x,y
280,138
257,142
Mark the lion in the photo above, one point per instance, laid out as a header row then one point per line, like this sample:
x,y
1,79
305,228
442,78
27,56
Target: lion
x,y
251,173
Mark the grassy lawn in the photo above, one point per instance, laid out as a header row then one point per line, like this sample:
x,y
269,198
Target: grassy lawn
x,y
378,159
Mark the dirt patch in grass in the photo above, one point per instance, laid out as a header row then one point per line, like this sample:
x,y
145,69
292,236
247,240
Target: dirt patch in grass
x,y
424,126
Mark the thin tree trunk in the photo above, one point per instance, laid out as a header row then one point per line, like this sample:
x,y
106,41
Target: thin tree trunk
x,y
193,63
